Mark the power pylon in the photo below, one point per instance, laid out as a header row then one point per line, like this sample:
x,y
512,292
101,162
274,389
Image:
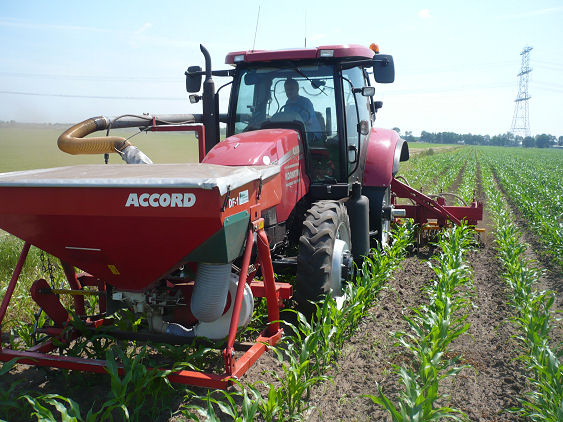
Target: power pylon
x,y
520,120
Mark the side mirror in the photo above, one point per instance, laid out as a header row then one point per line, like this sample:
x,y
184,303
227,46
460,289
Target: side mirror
x,y
383,68
193,79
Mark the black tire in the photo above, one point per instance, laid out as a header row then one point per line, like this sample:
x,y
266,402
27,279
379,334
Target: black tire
x,y
378,221
324,260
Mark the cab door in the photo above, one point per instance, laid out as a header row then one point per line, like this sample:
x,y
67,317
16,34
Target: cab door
x,y
357,118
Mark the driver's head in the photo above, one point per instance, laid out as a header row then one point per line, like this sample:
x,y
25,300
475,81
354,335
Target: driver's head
x,y
291,88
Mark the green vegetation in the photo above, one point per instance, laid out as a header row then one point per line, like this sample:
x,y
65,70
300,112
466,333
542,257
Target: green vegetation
x,y
506,139
433,328
435,173
533,182
533,316
30,147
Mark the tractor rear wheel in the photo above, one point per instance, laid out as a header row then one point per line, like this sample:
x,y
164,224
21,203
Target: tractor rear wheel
x,y
324,260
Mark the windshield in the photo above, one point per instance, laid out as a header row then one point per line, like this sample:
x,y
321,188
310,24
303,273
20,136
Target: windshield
x,y
305,94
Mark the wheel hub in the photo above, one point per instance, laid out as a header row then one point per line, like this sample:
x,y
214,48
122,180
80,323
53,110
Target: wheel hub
x,y
342,264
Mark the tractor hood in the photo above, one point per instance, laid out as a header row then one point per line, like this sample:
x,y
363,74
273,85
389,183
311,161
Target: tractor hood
x,y
256,148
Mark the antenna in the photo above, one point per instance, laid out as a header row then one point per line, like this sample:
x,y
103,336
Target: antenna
x,y
305,28
256,30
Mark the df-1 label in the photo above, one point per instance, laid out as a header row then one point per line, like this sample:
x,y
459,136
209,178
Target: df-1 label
x,y
181,200
242,198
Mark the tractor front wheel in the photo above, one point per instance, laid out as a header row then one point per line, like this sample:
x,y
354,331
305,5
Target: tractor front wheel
x,y
379,212
324,260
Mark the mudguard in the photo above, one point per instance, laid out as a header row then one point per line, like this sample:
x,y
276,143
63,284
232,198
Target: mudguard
x,y
384,152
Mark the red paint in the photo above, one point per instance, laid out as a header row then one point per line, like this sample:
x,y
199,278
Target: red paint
x,y
426,208
228,353
234,368
127,247
252,56
380,157
49,302
269,146
12,284
272,298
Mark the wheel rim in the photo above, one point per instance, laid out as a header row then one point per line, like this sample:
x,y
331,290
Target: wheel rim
x,y
341,261
385,223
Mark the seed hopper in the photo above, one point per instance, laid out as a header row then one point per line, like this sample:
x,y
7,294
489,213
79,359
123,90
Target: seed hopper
x,y
144,236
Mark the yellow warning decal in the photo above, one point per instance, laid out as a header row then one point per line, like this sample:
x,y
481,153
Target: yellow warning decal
x,y
113,269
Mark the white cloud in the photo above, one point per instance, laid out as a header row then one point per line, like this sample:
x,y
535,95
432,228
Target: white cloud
x,y
424,13
146,26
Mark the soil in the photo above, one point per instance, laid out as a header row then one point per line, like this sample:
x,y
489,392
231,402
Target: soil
x,y
484,391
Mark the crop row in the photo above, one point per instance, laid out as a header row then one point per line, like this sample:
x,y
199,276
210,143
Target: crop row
x,y
535,186
433,327
544,400
434,172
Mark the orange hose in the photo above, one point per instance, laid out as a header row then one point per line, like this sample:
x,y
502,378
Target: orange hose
x,y
72,141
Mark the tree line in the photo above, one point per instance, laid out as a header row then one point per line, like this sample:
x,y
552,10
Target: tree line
x,y
507,139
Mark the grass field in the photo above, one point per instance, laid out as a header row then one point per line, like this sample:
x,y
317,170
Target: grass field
x,y
29,147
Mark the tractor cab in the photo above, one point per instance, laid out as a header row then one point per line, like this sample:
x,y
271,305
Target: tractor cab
x,y
323,93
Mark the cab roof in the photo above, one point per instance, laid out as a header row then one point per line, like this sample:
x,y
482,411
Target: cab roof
x,y
349,51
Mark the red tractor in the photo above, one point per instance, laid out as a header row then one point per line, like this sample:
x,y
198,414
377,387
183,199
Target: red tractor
x,y
311,112
303,182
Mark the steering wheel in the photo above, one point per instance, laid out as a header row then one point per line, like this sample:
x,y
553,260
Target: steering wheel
x,y
302,112
287,116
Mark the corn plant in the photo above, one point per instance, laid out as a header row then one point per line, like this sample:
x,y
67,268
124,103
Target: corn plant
x,y
314,343
68,409
426,173
6,402
544,402
432,328
533,182
132,392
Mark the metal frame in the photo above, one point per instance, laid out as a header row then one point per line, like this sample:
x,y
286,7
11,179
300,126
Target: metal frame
x,y
235,368
426,208
199,129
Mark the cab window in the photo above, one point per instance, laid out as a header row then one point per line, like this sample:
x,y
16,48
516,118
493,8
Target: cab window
x,y
356,107
306,94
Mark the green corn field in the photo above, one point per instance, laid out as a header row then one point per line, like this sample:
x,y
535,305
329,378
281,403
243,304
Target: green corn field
x,y
407,341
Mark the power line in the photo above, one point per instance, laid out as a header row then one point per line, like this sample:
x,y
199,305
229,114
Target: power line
x,y
95,78
99,97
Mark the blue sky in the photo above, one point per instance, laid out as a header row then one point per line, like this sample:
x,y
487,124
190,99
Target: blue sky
x,y
456,61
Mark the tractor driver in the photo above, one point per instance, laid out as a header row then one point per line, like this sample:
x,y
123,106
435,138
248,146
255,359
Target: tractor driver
x,y
301,105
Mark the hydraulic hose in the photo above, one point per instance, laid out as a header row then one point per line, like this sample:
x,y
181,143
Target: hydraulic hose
x,y
72,140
